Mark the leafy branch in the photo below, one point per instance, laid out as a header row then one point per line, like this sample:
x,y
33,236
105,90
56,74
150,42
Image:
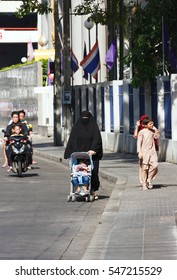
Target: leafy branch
x,y
32,6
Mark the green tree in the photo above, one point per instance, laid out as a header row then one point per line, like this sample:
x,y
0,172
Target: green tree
x,y
96,11
33,6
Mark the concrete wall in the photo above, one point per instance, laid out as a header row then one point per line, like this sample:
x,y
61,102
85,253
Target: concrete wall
x,y
45,110
17,92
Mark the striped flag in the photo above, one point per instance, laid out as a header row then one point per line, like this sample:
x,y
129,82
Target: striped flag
x,y
91,63
74,62
30,51
85,76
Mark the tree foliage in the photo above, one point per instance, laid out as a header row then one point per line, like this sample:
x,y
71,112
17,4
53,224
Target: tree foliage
x,y
97,11
33,6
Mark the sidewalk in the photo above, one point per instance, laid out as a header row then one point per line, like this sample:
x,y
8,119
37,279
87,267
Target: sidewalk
x,y
135,224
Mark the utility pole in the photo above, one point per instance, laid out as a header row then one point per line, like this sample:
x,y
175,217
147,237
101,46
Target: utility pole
x,y
67,68
57,84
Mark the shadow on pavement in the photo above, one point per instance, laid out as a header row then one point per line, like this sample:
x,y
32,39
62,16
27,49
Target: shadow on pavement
x,y
24,175
37,145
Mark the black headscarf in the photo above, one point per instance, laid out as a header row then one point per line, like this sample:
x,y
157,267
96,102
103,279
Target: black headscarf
x,y
85,136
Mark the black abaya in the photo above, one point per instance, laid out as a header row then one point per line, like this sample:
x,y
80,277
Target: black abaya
x,y
86,136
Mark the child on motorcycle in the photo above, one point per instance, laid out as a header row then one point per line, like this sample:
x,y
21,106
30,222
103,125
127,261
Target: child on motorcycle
x,y
16,131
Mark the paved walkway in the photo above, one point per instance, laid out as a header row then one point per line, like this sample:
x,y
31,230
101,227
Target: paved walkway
x,y
135,224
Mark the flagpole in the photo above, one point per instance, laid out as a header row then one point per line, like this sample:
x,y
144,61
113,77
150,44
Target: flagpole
x,y
89,51
96,81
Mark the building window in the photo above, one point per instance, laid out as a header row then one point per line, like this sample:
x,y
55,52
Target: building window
x,y
121,108
141,101
111,109
102,109
154,103
94,103
9,20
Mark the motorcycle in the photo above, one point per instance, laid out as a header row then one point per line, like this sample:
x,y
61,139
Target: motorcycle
x,y
18,147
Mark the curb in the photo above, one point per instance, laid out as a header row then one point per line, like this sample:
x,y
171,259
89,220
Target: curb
x,y
97,247
50,157
118,180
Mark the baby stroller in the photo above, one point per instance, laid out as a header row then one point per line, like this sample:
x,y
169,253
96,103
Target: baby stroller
x,y
78,176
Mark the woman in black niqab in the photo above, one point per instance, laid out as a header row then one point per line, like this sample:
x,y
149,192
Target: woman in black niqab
x,y
86,137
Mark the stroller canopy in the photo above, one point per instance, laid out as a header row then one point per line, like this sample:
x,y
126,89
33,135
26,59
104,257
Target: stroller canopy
x,y
80,155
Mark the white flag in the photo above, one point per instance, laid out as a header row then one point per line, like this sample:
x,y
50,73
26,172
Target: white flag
x,y
30,51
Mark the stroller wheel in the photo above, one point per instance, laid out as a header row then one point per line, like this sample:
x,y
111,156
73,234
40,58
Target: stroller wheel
x,y
73,198
69,198
86,198
91,198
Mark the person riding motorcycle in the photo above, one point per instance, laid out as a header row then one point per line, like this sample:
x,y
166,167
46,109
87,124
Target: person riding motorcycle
x,y
16,132
10,131
22,115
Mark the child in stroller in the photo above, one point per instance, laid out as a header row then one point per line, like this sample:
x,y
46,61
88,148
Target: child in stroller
x,y
81,166
82,170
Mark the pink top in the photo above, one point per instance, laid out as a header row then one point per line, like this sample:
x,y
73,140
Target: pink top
x,y
83,168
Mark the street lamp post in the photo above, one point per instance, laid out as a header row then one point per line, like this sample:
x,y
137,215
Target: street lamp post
x,y
89,25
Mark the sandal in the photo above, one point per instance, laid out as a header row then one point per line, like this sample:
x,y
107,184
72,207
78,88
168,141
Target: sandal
x,y
5,164
150,185
144,187
86,192
9,169
94,195
78,190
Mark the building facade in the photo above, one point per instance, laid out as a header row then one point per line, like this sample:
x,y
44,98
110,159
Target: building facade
x,y
15,33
